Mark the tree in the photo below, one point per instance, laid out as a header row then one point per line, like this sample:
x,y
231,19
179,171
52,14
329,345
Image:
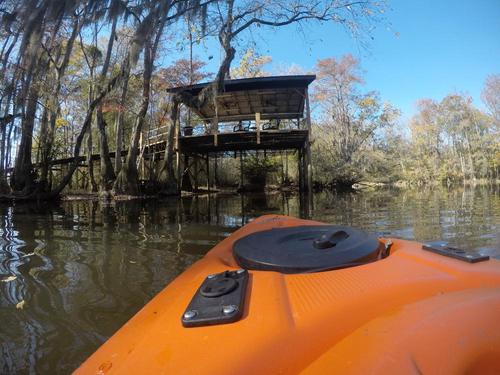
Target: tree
x,y
427,142
107,173
451,141
233,18
349,121
43,55
229,19
251,65
149,33
491,97
182,72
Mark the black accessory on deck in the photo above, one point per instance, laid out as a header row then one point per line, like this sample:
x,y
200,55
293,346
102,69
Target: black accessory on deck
x,y
220,299
442,248
306,249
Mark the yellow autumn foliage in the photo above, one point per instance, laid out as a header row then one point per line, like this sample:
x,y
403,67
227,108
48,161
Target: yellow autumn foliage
x,y
61,122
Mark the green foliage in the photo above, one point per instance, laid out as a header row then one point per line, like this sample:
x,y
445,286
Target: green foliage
x,y
357,138
256,169
348,142
251,65
451,141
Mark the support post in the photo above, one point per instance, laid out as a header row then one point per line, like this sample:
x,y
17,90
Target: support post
x,y
216,179
257,126
241,169
308,159
301,169
207,161
282,169
177,125
286,165
215,129
186,179
305,170
196,173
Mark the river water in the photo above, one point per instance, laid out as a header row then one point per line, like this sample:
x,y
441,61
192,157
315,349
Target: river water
x,y
72,274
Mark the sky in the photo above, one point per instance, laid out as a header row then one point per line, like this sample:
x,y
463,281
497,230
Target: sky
x,y
429,49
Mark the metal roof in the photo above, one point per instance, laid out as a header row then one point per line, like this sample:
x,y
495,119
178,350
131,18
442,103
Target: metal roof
x,y
276,97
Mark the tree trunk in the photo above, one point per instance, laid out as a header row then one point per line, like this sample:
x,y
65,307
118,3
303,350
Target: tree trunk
x,y
53,107
127,181
107,173
120,123
7,120
9,145
90,163
85,128
90,145
472,169
43,149
167,176
22,177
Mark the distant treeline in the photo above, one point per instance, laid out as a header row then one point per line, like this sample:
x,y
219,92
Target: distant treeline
x,y
358,137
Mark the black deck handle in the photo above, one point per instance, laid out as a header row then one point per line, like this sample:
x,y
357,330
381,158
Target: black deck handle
x,y
329,240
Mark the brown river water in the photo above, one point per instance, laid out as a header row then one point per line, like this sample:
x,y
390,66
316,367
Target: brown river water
x,y
72,274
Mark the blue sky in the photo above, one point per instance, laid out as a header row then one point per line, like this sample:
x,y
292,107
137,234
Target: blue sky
x,y
443,46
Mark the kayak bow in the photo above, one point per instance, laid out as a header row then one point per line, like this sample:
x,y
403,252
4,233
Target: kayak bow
x,y
373,308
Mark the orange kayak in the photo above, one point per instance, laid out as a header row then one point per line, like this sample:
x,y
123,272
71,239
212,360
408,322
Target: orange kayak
x,y
288,296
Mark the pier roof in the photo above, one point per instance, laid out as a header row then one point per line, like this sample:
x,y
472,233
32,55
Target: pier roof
x,y
276,97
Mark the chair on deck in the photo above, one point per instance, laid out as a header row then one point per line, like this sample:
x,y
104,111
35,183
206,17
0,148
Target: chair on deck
x,y
244,128
270,125
239,127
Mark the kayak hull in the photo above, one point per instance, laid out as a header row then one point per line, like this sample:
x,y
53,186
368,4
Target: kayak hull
x,y
405,313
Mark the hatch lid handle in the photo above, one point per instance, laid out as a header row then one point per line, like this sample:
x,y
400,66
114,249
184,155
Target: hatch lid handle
x,y
329,240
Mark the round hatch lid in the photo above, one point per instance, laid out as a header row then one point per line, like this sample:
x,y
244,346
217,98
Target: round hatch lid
x,y
306,249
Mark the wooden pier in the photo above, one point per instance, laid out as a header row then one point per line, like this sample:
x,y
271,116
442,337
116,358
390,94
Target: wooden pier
x,y
265,113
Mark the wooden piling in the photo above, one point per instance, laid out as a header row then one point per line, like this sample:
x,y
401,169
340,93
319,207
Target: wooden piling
x,y
215,130
196,173
216,179
300,162
186,179
308,158
241,169
177,124
257,126
207,161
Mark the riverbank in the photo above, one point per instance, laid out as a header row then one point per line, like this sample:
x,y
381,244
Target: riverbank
x,y
274,189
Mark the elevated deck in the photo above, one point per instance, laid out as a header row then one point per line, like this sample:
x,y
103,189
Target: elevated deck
x,y
263,113
245,141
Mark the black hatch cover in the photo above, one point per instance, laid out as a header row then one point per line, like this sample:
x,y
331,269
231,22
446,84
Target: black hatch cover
x,y
306,249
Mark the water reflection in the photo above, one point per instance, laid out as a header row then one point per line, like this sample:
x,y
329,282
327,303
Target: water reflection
x,y
73,273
